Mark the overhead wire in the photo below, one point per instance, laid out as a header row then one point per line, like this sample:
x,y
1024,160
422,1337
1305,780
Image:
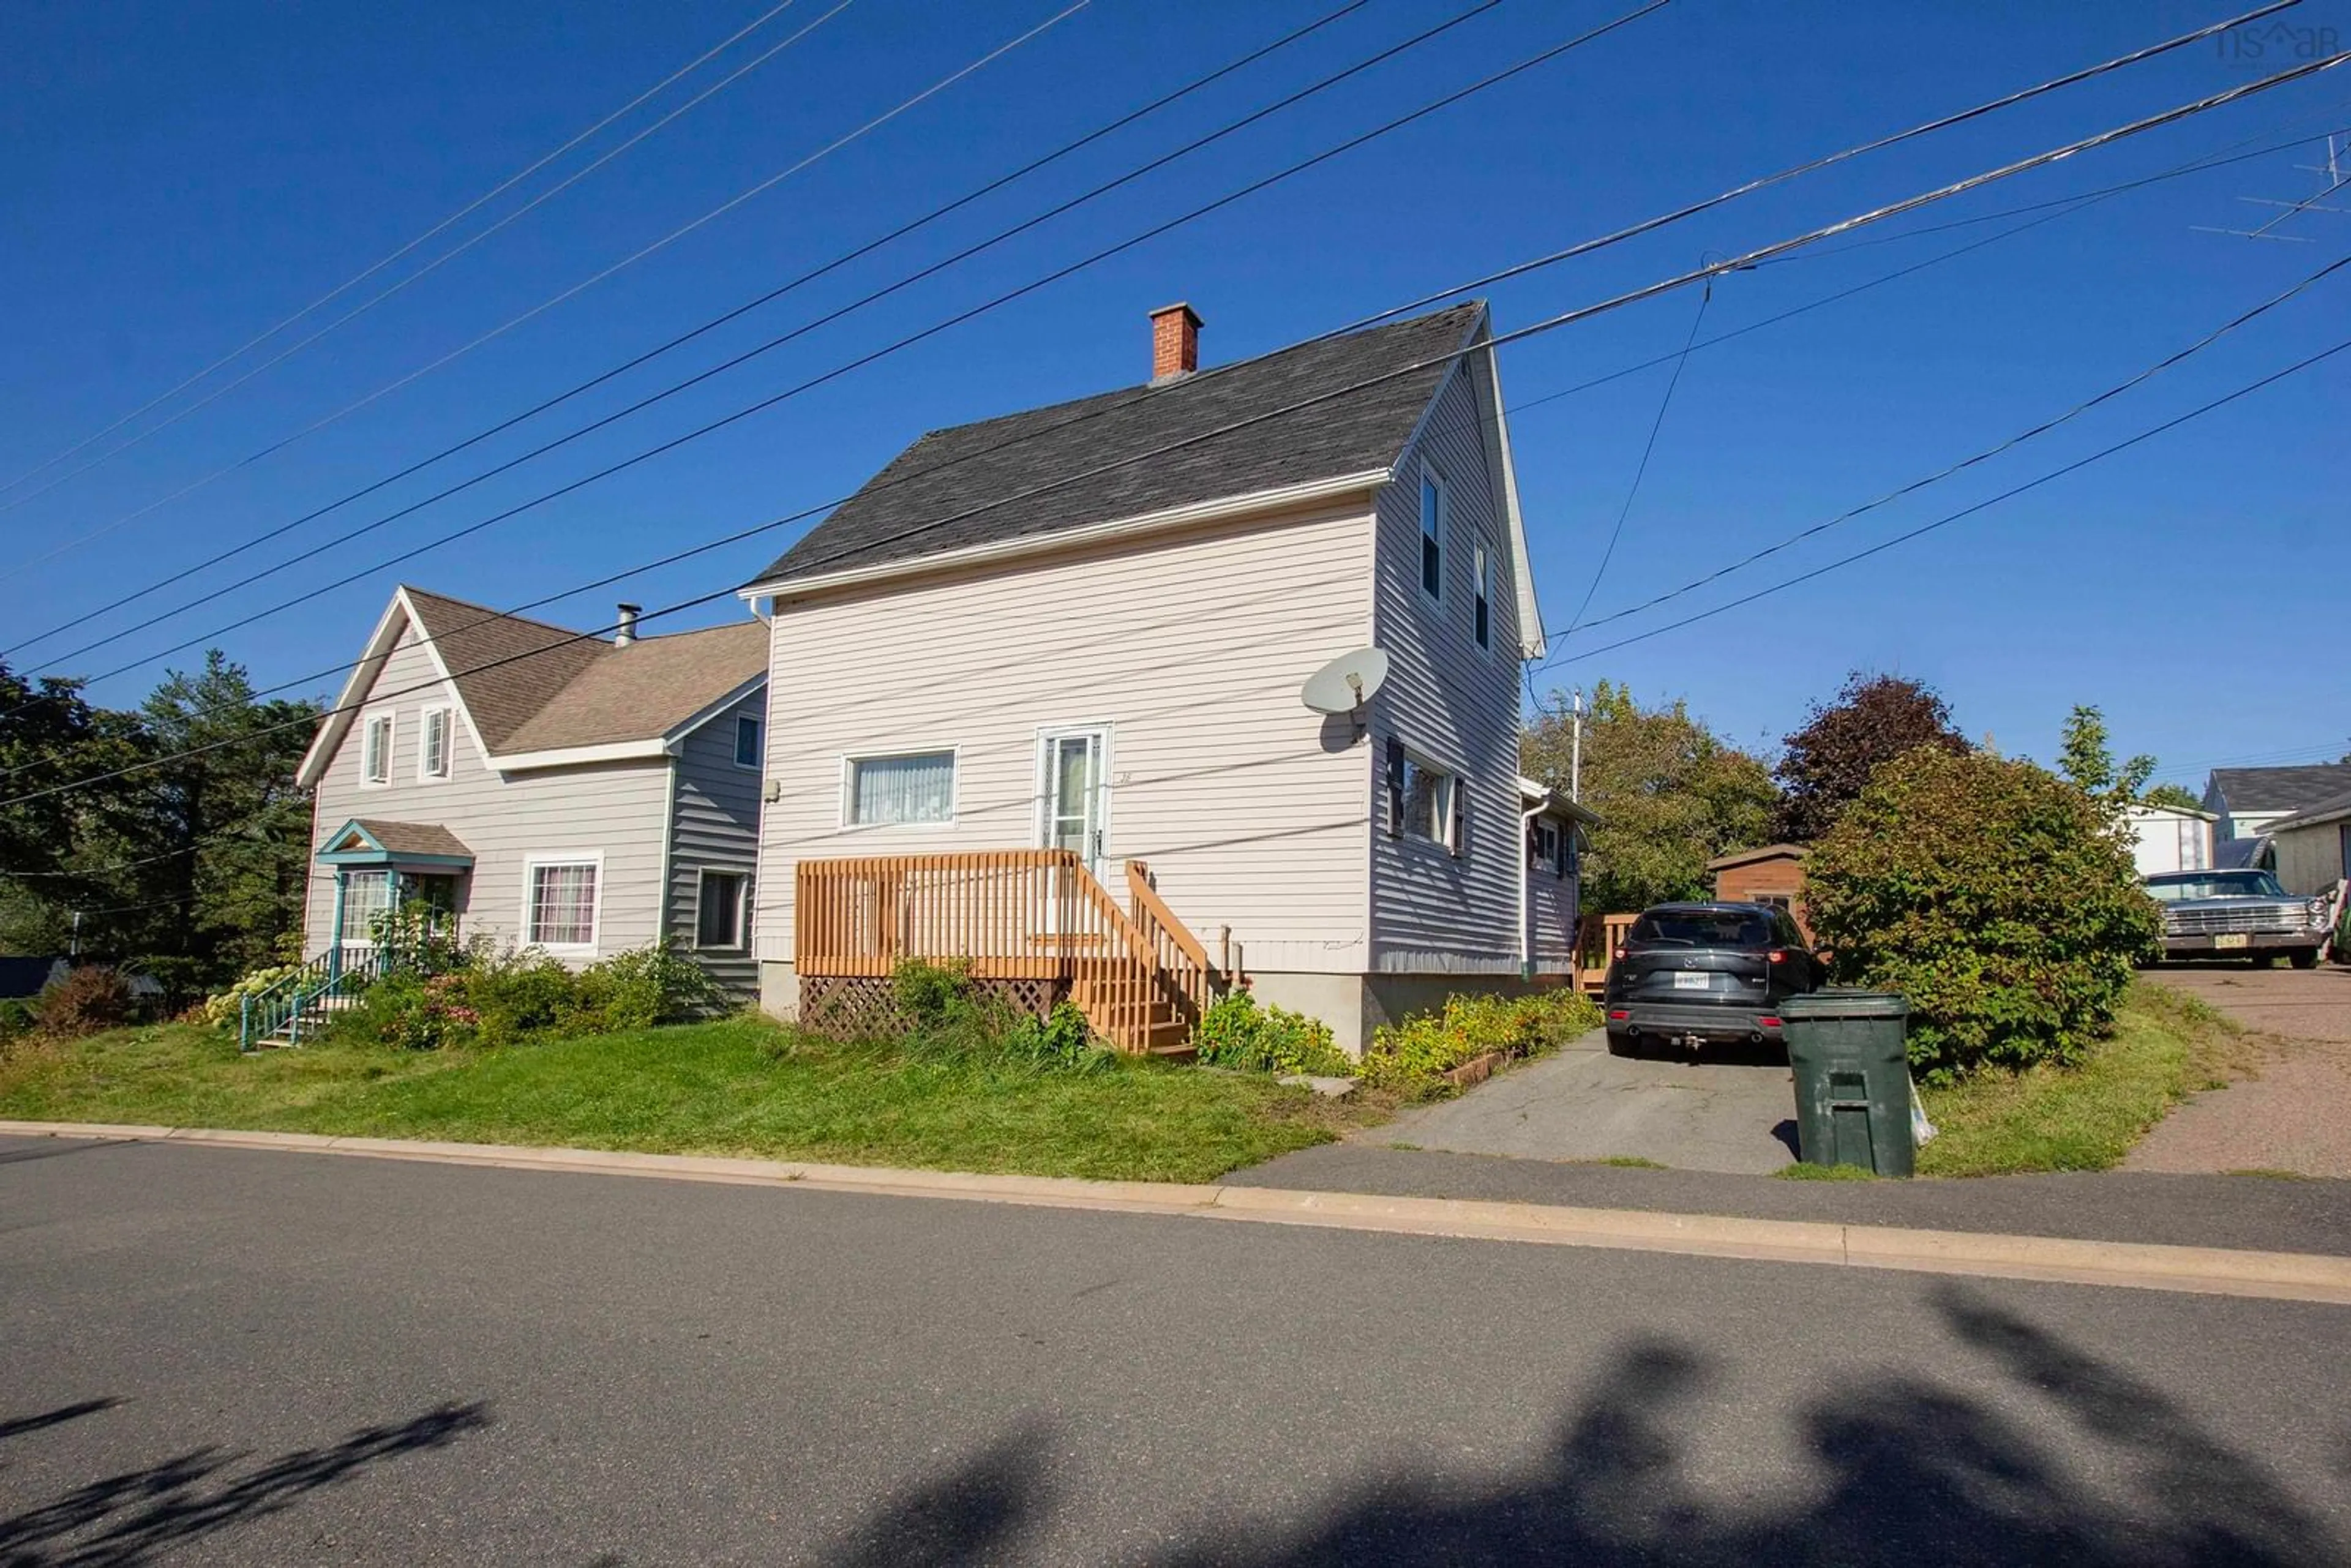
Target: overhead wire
x,y
1551,323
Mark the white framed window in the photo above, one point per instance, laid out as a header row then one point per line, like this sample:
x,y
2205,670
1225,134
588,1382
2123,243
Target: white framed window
x,y
1431,799
560,903
367,895
433,730
722,910
1546,848
747,741
1433,518
907,787
1483,621
375,750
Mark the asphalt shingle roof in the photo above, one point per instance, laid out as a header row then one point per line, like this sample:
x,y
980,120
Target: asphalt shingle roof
x,y
413,838
971,481
559,689
2282,788
2333,808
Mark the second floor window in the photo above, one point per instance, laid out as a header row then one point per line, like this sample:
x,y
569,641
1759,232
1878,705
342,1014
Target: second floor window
x,y
1485,615
747,741
1432,535
375,750
432,744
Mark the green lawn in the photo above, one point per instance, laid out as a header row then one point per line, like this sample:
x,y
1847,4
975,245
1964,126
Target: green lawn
x,y
719,1088
2164,1048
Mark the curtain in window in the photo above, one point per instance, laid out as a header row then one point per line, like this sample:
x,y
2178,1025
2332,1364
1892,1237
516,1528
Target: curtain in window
x,y
914,789
562,906
366,895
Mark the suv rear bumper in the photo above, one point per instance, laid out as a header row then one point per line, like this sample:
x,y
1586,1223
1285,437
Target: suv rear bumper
x,y
2208,945
1708,1022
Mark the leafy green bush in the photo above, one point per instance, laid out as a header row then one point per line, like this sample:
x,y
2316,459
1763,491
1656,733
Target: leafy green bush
x,y
639,988
82,1001
1060,1042
223,1008
506,999
1413,1057
16,1019
2000,899
947,1021
1236,1032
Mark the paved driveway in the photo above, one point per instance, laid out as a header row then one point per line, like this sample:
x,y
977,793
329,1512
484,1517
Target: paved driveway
x,y
1720,1112
2293,1112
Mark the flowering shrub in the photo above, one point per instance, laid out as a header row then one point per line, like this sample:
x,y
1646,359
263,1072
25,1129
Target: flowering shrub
x,y
506,999
1236,1032
83,1001
222,1010
1413,1057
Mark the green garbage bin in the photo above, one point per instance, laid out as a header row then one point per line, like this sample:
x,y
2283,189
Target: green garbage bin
x,y
1852,1080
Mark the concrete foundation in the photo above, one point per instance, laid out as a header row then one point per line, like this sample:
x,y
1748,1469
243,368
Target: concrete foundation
x,y
780,988
1354,1006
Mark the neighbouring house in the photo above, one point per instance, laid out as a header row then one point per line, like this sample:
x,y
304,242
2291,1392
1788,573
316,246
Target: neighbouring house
x,y
1037,699
2170,837
546,789
1770,873
2314,845
2246,800
23,978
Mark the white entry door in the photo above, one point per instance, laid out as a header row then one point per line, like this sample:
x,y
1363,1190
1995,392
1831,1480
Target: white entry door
x,y
1073,792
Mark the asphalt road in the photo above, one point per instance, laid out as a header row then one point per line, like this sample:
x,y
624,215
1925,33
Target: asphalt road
x,y
214,1355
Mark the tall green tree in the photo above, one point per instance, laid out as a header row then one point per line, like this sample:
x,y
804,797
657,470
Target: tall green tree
x,y
1828,762
1671,794
2085,756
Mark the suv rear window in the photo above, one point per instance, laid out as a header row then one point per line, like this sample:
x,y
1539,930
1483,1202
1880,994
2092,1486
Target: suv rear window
x,y
1701,928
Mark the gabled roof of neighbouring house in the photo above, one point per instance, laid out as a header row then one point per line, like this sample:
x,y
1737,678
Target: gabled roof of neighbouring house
x,y
2334,808
2280,789
1761,852
1034,474
537,694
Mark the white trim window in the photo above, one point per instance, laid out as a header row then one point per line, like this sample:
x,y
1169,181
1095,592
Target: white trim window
x,y
901,788
1433,516
432,732
366,895
748,741
560,903
1482,620
1431,796
722,911
375,750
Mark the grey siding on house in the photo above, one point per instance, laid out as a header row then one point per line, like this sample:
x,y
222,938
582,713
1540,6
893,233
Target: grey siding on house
x,y
612,812
715,826
1450,702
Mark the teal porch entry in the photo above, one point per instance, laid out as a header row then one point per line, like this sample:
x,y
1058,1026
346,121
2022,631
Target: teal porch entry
x,y
382,867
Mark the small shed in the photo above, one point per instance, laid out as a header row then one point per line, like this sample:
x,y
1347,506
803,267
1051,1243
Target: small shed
x,y
2314,846
2170,837
1772,874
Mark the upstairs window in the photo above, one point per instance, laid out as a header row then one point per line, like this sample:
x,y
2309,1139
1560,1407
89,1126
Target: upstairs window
x,y
1485,616
375,750
918,786
432,746
747,741
1427,801
1432,535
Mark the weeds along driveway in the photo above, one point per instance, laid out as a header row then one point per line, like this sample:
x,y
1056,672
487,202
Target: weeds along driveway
x,y
1722,1111
2292,1113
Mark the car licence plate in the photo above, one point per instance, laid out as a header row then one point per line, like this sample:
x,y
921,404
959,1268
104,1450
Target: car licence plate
x,y
1691,981
2235,939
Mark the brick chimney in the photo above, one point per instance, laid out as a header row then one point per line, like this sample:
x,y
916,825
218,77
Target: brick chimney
x,y
1175,343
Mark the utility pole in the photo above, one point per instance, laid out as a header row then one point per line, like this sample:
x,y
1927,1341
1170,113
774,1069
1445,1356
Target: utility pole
x,y
1575,752
74,947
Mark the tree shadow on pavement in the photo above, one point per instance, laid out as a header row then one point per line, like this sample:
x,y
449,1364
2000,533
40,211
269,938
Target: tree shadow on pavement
x,y
137,1516
1910,1472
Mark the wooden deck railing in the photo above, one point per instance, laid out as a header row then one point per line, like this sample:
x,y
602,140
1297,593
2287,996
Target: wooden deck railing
x,y
1597,937
1014,915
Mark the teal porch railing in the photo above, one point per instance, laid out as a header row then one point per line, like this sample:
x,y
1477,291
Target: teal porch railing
x,y
294,1006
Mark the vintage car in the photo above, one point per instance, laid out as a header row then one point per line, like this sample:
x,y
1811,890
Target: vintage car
x,y
2237,914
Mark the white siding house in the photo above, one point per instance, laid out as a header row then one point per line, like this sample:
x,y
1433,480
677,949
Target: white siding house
x,y
549,789
1087,627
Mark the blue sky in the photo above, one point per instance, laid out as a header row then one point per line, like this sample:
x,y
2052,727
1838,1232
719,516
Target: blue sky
x,y
184,176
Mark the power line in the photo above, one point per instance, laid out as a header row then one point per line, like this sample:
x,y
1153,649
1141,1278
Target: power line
x,y
1548,324
1493,79
550,303
430,267
2065,207
1950,518
1582,248
364,273
1640,470
2030,433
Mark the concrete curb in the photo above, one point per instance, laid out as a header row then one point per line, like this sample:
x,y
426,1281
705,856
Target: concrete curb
x,y
2295,1276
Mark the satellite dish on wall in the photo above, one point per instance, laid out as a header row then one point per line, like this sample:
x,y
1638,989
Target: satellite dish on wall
x,y
1346,683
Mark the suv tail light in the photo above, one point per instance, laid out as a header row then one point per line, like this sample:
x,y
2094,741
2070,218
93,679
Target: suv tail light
x,y
1620,950
1776,956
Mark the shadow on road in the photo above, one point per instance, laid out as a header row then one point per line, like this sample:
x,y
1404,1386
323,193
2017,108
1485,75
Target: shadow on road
x,y
1916,1472
139,1516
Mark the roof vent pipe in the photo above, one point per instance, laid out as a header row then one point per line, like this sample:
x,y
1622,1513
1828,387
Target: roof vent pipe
x,y
624,628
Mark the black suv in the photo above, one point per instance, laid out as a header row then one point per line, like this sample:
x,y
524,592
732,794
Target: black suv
x,y
1697,972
